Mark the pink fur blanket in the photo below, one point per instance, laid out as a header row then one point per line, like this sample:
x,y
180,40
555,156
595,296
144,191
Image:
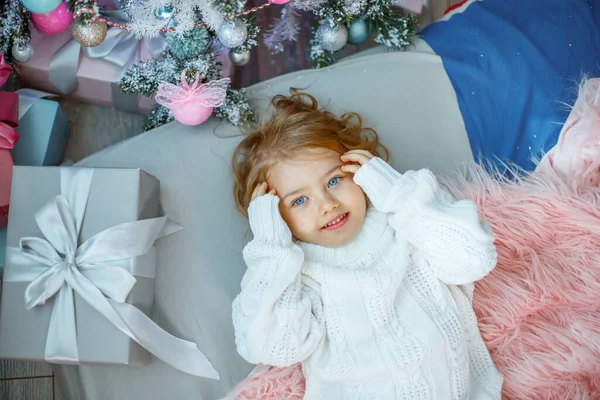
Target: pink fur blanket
x,y
539,309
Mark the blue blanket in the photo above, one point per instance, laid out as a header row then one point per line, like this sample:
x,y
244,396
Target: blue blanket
x,y
515,66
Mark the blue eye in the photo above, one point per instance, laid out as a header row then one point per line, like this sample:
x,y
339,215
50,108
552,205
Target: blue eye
x,y
299,201
333,182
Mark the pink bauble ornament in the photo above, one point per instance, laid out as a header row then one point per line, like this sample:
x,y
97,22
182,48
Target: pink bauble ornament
x,y
191,113
192,104
55,21
279,1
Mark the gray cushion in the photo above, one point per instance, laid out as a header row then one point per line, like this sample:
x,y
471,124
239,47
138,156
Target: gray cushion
x,y
406,97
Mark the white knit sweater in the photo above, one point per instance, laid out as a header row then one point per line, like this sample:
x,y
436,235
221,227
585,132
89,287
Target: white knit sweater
x,y
386,317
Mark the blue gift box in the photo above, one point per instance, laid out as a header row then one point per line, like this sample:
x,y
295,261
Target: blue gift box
x,y
43,134
515,65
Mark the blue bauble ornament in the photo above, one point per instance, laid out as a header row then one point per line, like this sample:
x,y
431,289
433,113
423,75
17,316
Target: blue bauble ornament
x,y
165,12
41,6
358,32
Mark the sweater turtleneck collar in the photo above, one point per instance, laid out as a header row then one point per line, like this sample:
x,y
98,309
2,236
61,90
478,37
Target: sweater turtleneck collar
x,y
374,237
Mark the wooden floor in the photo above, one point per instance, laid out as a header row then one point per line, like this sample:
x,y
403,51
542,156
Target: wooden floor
x,y
263,65
27,380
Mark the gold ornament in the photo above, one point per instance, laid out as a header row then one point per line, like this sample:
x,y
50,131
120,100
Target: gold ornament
x,y
89,35
238,57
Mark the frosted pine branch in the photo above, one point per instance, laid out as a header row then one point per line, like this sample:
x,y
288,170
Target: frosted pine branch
x,y
286,29
354,7
308,5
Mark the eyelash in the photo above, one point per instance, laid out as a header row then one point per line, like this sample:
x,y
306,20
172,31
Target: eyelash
x,y
294,203
339,178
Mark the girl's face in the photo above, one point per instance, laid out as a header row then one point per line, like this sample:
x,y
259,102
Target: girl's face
x,y
320,203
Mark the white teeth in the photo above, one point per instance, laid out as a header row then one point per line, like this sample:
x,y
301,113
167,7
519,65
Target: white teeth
x,y
337,220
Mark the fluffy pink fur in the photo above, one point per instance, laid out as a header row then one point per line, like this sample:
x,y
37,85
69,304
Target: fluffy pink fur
x,y
271,383
539,309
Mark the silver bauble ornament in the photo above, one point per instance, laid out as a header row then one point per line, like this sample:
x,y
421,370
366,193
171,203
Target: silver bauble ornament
x,y
332,37
89,35
164,12
22,52
358,32
232,33
239,58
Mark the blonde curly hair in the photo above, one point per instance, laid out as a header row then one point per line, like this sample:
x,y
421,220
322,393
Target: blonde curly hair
x,y
297,124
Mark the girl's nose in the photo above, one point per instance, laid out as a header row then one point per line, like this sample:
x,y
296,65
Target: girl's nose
x,y
328,204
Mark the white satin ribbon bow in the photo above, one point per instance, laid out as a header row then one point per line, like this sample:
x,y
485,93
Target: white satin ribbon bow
x,y
98,271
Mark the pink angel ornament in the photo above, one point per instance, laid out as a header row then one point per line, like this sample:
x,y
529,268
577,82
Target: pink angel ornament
x,y
192,104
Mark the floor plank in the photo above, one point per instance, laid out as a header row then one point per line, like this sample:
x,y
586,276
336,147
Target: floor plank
x,y
93,128
18,369
27,389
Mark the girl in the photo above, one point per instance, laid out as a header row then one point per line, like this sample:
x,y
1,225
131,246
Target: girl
x,y
362,274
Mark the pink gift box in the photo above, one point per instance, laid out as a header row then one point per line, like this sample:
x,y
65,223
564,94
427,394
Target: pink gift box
x,y
414,6
6,168
9,118
95,77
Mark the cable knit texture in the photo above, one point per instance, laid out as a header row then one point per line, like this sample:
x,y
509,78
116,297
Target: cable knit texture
x,y
385,317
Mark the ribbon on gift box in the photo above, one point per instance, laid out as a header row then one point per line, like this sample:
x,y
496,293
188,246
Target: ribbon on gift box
x,y
5,70
121,48
9,119
9,110
28,97
98,271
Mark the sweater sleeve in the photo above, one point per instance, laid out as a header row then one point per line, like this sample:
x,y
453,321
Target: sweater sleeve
x,y
278,314
447,233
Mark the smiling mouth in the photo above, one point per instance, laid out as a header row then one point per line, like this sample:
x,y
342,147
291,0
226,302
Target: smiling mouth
x,y
336,223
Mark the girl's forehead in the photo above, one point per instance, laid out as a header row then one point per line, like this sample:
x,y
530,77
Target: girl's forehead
x,y
313,157
311,165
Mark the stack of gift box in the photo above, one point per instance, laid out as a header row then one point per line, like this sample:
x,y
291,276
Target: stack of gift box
x,y
61,68
79,260
77,245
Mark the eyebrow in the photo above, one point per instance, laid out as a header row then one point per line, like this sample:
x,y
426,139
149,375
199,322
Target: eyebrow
x,y
332,170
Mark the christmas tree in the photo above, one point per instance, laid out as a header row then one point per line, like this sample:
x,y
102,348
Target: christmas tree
x,y
341,22
14,29
192,47
197,30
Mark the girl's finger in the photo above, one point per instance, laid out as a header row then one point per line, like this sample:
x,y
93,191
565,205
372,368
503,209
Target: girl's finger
x,y
350,168
357,158
365,152
259,190
361,156
361,152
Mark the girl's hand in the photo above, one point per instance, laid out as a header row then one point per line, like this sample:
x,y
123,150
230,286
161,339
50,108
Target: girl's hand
x,y
261,190
358,158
